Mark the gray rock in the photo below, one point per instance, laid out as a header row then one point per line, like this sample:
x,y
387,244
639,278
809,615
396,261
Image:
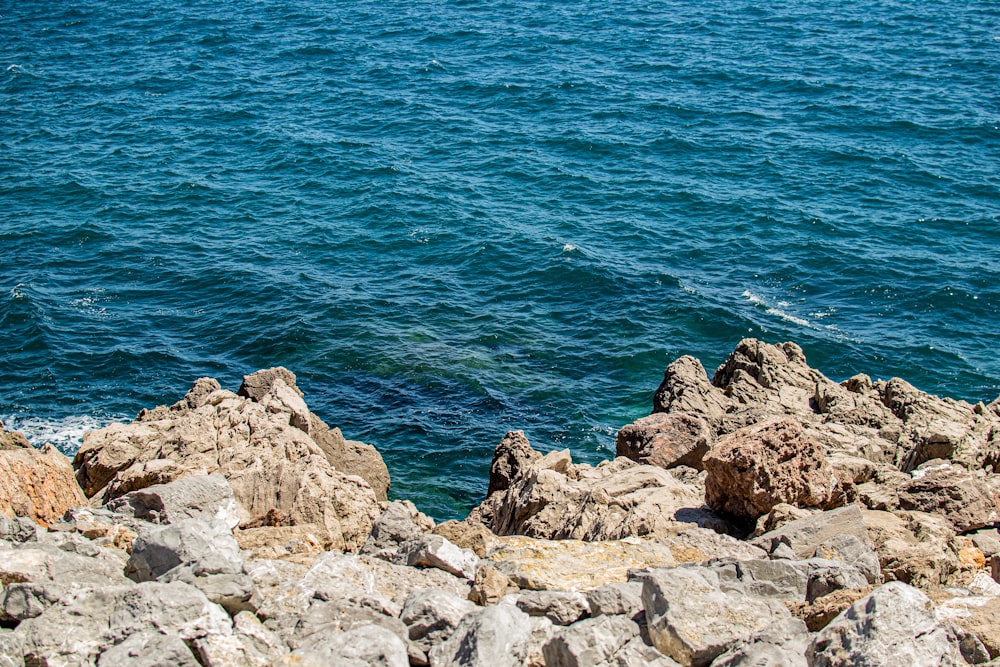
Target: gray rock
x,y
893,626
590,642
365,645
783,644
636,652
693,620
233,592
805,535
149,649
205,548
492,637
612,599
833,576
431,616
401,521
11,651
205,497
779,579
854,551
18,530
560,607
435,551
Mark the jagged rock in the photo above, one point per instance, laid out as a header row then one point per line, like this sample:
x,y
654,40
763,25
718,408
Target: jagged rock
x,y
665,440
952,492
37,484
18,530
365,645
490,585
149,649
468,535
205,497
11,651
693,620
779,515
278,473
560,607
510,459
636,652
781,645
401,521
686,389
431,615
807,534
229,651
203,548
351,457
987,540
103,617
551,498
12,440
614,599
854,551
817,613
912,547
436,551
753,469
254,633
591,642
893,625
495,636
975,614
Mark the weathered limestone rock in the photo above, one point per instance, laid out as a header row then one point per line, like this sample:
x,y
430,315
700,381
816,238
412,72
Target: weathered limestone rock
x,y
366,645
149,649
260,443
490,585
912,547
665,440
560,607
753,469
12,440
551,498
436,551
205,497
572,565
817,613
510,459
807,534
37,484
495,636
783,644
894,625
953,492
693,620
431,615
615,599
468,534
590,642
401,521
205,548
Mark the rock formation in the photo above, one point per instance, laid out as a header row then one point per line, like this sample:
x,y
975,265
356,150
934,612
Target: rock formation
x,y
769,516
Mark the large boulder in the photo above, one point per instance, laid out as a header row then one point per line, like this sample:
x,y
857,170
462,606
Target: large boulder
x,y
665,440
495,636
692,619
757,467
263,442
893,626
37,484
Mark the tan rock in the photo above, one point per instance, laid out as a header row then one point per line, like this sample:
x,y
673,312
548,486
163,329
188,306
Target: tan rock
x,y
755,468
490,585
912,548
260,442
818,613
12,439
38,484
952,492
574,565
551,498
468,535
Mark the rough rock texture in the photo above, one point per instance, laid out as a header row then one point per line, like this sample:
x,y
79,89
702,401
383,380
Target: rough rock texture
x,y
206,497
693,620
12,439
592,642
953,492
560,607
37,483
431,615
495,636
665,440
757,467
893,625
262,443
551,498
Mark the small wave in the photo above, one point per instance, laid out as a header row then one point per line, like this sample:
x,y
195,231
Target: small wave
x,y
66,433
569,247
758,300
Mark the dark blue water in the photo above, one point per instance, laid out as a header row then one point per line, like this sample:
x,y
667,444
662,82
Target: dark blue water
x,y
452,219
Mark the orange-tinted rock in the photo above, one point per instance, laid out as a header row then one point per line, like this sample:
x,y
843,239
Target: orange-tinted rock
x,y
38,484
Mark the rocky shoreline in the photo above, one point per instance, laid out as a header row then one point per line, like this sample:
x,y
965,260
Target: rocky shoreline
x,y
765,516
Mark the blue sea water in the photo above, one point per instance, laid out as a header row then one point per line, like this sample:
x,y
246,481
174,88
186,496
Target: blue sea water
x,y
454,218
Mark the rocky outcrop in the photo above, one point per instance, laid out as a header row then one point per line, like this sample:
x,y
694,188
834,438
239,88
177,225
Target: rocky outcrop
x,y
285,467
37,484
757,467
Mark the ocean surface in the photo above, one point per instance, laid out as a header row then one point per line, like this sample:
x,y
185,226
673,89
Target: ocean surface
x,y
455,218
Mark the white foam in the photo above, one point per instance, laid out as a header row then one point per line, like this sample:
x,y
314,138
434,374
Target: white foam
x,y
569,247
66,433
758,300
